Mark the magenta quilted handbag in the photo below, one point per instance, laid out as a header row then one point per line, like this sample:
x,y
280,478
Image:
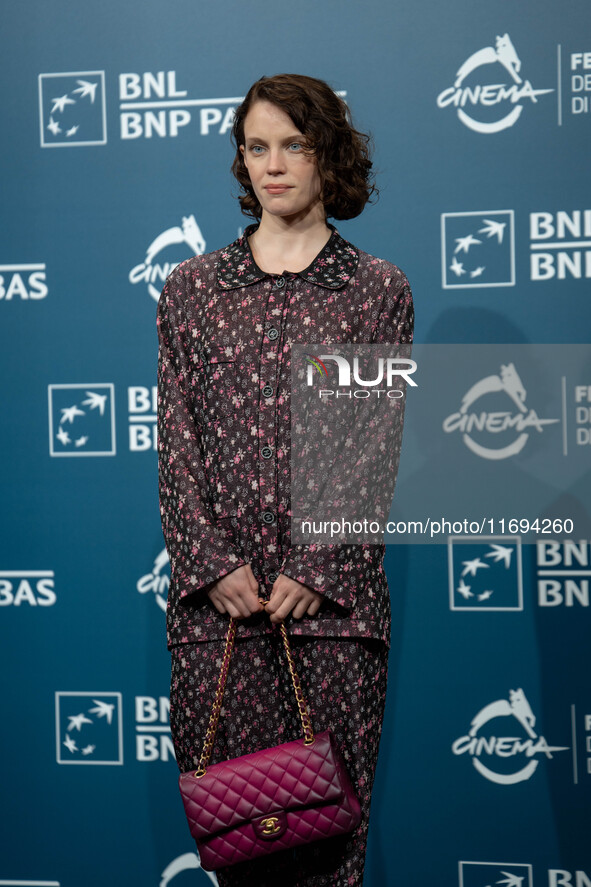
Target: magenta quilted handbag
x,y
272,799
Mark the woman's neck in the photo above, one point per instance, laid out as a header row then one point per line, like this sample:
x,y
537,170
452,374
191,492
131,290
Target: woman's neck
x,y
280,245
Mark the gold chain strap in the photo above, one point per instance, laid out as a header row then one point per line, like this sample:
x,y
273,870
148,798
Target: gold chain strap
x,y
219,694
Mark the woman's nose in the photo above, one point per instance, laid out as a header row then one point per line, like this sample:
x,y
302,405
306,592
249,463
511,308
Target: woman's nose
x,y
276,161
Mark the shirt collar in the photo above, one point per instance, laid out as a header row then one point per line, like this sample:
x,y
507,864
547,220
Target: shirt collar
x,y
333,267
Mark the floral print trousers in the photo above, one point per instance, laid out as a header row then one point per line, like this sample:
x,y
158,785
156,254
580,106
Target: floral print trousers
x,y
344,682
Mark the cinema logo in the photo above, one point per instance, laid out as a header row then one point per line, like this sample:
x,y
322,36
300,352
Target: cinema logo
x,y
157,581
388,370
560,245
487,423
474,99
507,758
163,254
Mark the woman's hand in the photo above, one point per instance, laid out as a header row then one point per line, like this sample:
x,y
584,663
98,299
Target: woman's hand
x,y
289,596
236,593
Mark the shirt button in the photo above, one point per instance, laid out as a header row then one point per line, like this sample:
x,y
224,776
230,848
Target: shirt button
x,y
272,577
267,391
268,517
280,282
266,452
272,333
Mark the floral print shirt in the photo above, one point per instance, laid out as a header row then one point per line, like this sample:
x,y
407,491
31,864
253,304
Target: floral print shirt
x,y
224,424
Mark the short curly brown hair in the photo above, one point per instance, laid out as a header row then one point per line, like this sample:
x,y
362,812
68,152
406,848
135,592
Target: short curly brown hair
x,y
342,153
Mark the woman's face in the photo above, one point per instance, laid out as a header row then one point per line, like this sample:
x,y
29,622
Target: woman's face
x,y
285,179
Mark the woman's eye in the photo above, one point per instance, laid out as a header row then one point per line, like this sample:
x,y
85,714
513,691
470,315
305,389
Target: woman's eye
x,y
295,146
257,149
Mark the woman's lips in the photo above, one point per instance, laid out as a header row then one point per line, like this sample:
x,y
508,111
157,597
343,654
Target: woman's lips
x,y
277,189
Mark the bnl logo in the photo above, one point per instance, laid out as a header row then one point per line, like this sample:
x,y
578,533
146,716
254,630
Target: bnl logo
x,y
72,109
485,574
477,249
490,874
82,419
89,728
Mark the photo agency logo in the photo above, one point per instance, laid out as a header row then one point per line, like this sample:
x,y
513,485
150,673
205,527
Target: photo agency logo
x,y
386,370
487,874
82,419
485,574
486,101
502,742
165,252
157,581
486,427
72,111
478,249
89,728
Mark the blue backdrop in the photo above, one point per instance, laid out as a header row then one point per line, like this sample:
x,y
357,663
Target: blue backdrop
x,y
115,157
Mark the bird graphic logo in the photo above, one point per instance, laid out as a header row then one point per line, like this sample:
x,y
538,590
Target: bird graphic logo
x,y
485,575
88,728
477,249
82,420
72,109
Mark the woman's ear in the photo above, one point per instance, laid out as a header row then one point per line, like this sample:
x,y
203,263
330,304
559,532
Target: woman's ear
x,y
243,154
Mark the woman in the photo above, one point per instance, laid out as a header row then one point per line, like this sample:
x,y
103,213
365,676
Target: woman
x,y
227,322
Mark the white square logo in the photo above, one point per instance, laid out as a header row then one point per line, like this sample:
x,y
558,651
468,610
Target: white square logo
x,y
504,874
477,249
88,728
485,573
82,419
72,109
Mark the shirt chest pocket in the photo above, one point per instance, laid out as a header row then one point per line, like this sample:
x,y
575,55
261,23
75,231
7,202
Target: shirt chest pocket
x,y
219,381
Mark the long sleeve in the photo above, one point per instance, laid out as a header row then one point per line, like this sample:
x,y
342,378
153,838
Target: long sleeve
x,y
199,552
337,571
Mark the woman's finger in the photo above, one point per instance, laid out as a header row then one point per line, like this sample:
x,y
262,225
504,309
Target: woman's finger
x,y
300,609
314,607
